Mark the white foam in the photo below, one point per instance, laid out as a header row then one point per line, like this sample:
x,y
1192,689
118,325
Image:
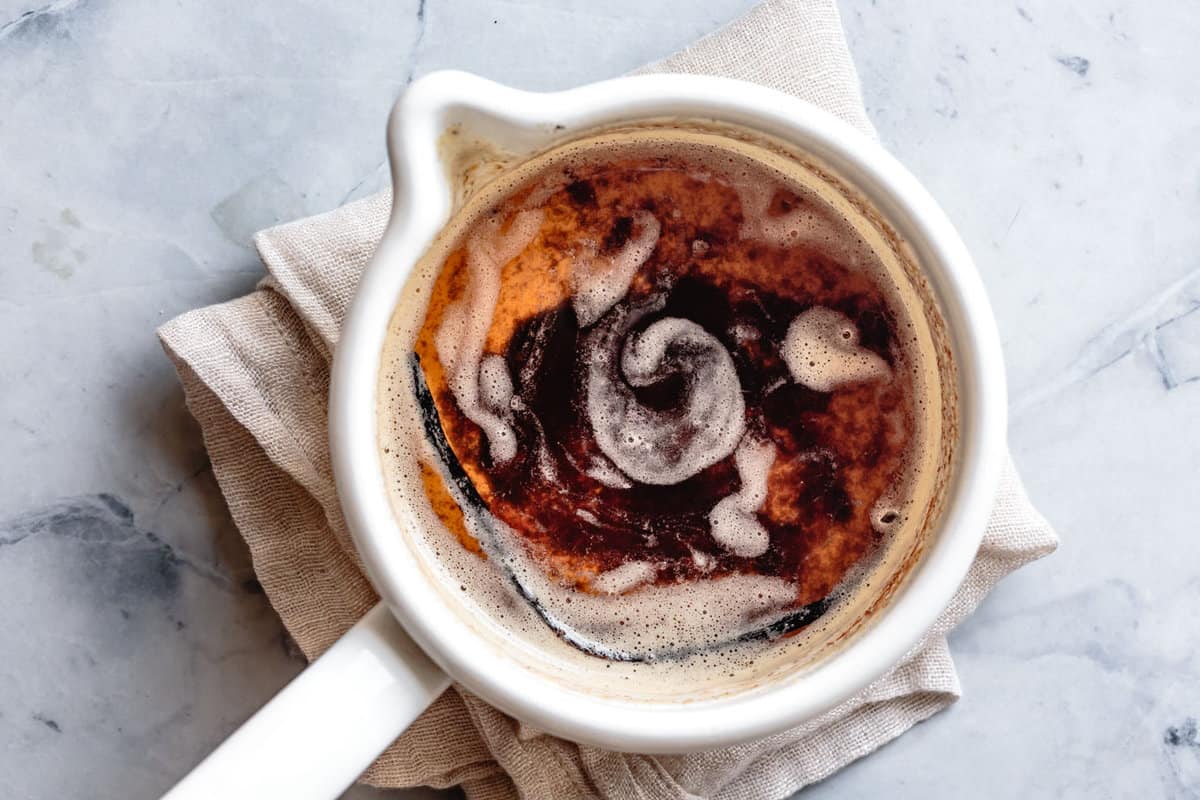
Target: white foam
x,y
495,384
664,447
745,333
603,470
461,337
822,351
545,464
599,282
703,561
806,224
755,198
732,520
633,618
773,385
625,577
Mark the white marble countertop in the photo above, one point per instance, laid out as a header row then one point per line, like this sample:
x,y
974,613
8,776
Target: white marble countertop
x,y
141,143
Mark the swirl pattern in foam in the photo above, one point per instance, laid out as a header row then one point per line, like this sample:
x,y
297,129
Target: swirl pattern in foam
x,y
662,446
460,338
600,282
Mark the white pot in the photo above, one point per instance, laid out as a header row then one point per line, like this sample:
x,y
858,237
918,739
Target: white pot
x,y
324,728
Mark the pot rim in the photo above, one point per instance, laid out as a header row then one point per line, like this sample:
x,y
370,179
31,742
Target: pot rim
x,y
530,121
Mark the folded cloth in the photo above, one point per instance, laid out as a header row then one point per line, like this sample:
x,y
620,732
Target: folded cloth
x,y
255,372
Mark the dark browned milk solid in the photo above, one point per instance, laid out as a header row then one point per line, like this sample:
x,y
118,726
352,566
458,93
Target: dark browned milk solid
x,y
664,404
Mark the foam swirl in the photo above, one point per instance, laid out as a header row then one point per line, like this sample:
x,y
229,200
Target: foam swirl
x,y
822,351
461,337
600,282
662,446
733,520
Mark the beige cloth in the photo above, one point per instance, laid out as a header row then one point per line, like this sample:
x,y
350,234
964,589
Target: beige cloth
x,y
256,373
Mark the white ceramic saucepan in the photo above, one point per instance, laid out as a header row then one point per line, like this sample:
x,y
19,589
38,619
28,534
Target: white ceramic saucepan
x,y
320,732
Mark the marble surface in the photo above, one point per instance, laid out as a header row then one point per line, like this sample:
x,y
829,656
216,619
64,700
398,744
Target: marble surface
x,y
142,143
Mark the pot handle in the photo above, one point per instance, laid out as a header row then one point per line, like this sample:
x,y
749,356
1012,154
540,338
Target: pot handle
x,y
325,727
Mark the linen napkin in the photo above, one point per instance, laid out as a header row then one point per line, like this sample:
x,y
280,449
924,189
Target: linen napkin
x,y
255,373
